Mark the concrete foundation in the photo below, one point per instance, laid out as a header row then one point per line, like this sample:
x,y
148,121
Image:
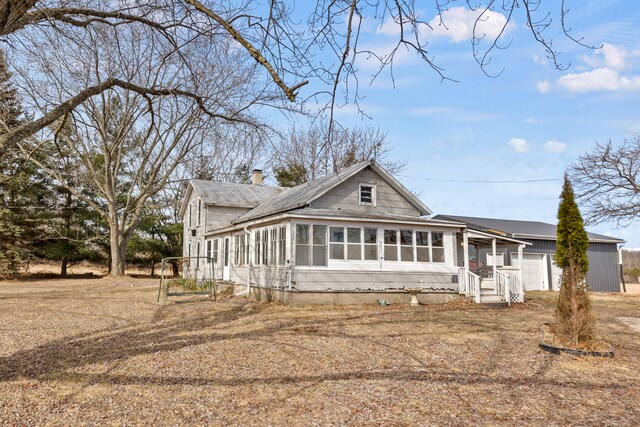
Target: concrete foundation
x,y
348,297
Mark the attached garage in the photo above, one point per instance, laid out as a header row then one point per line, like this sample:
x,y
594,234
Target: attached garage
x,y
533,271
539,271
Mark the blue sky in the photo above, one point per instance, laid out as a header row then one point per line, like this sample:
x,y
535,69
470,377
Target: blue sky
x,y
527,124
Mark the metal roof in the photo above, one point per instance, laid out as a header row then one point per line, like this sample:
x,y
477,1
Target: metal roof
x,y
520,229
302,195
230,194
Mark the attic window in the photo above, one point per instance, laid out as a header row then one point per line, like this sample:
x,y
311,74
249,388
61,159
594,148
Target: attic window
x,y
367,194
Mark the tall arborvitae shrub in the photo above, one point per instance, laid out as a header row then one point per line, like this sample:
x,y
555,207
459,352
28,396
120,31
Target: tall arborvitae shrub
x,y
574,321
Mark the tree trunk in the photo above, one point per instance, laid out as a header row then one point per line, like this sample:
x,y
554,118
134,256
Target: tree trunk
x,y
176,270
118,242
63,265
153,269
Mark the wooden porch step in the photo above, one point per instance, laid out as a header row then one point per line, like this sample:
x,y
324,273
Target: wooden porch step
x,y
489,298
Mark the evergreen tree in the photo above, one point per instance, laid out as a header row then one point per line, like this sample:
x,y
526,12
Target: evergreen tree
x,y
574,321
14,180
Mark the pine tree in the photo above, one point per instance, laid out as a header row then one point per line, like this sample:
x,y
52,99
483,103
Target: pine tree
x,y
12,251
574,321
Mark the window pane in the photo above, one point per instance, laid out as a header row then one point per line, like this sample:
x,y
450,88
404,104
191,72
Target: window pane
x,y
319,255
438,254
370,252
302,234
423,254
337,251
390,237
406,237
302,255
319,234
436,239
370,235
390,253
337,234
353,235
406,253
354,251
422,238
282,245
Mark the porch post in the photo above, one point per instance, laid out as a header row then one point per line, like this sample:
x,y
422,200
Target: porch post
x,y
495,266
521,283
465,249
462,281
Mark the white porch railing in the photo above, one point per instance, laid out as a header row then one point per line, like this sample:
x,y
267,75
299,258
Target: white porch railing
x,y
469,284
507,284
510,285
503,286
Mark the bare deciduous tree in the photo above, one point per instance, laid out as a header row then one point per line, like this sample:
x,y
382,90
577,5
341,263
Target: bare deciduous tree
x,y
303,155
126,144
289,52
606,182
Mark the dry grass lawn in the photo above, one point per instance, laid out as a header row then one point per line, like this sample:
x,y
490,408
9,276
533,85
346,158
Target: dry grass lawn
x,y
101,352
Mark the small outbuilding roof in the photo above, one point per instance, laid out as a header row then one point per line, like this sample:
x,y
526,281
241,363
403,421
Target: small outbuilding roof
x,y
520,229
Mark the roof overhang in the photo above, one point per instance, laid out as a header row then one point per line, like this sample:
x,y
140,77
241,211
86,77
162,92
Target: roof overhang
x,y
554,238
484,236
352,219
185,200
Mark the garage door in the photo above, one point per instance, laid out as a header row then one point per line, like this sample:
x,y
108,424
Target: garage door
x,y
556,272
532,271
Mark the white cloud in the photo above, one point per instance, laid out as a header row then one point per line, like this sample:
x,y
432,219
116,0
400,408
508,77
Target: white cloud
x,y
610,56
543,86
614,57
555,146
540,60
389,27
600,79
607,74
519,144
531,121
458,23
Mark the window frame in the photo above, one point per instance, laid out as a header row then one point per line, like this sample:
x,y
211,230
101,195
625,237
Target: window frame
x,y
373,194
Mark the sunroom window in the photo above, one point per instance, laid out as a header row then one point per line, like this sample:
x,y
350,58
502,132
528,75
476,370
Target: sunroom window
x,y
336,246
437,246
354,243
319,245
422,246
311,250
391,245
406,245
282,245
370,244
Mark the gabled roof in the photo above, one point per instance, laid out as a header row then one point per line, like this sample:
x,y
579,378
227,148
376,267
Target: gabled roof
x,y
229,194
520,229
301,195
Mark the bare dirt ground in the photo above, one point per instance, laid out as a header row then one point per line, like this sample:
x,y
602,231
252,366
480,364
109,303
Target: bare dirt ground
x,y
101,352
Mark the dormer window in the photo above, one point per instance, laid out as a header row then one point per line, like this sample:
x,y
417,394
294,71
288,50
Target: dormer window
x,y
367,194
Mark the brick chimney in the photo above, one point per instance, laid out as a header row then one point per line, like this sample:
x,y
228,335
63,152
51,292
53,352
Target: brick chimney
x,y
256,177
